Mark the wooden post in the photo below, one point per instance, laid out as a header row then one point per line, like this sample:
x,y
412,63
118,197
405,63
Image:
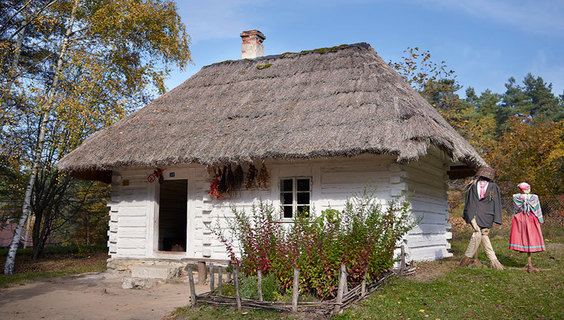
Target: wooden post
x,y
229,265
341,289
346,289
220,279
402,264
295,290
236,280
192,286
259,284
363,284
212,278
202,272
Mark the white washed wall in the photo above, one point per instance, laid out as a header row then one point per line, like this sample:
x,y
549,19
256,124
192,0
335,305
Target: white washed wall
x,y
129,209
134,207
427,187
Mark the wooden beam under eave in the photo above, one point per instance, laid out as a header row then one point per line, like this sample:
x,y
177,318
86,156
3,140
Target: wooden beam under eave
x,y
94,175
460,172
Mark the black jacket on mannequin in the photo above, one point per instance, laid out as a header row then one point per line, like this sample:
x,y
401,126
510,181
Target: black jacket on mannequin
x,y
486,210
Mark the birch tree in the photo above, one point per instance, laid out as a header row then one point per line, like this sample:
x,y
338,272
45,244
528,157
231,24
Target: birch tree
x,y
26,208
111,58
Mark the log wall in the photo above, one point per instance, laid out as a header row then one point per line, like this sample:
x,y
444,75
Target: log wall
x,y
134,207
427,187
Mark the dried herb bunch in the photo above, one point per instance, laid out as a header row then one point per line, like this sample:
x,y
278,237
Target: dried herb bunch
x,y
250,180
263,178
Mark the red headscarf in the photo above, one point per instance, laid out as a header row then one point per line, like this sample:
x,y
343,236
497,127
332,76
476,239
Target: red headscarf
x,y
524,186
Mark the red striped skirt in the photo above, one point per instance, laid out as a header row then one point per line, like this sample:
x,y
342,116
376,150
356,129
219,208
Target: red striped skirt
x,y
526,235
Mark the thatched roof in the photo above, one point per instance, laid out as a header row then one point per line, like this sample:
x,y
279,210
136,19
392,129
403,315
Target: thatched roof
x,y
340,101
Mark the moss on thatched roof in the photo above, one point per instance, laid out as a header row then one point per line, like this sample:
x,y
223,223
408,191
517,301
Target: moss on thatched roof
x,y
340,101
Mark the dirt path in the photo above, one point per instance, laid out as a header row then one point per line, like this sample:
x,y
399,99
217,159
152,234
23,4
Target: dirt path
x,y
91,297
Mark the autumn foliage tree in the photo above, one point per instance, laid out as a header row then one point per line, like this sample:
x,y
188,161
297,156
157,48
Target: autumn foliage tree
x,y
93,62
434,81
519,133
530,150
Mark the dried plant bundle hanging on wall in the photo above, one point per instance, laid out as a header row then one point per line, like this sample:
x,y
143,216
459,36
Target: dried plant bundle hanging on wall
x,y
250,181
214,187
230,179
222,188
226,181
238,177
263,178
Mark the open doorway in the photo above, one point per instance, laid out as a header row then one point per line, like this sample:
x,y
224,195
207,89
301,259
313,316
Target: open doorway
x,y
173,200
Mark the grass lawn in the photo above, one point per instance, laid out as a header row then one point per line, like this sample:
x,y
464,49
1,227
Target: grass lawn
x,y
442,290
473,293
56,261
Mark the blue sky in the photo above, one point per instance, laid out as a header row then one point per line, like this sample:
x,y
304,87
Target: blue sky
x,y
485,42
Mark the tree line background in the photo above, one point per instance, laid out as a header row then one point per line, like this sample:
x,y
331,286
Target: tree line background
x,y
519,132
66,80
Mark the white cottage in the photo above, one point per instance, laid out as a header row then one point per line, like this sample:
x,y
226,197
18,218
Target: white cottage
x,y
324,123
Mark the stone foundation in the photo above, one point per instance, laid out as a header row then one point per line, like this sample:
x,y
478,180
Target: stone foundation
x,y
145,273
127,266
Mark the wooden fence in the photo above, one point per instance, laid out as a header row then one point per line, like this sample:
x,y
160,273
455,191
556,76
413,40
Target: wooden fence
x,y
344,298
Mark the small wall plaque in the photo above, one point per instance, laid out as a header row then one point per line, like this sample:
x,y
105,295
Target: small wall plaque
x,y
171,174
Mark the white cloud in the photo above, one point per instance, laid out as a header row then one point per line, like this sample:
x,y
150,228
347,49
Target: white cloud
x,y
537,16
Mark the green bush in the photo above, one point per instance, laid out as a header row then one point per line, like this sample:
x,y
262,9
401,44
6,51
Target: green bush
x,y
270,287
362,236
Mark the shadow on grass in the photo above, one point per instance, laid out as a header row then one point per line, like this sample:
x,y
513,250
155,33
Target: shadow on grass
x,y
508,261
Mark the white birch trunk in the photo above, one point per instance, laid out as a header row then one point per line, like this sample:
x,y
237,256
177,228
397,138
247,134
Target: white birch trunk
x,y
26,208
12,72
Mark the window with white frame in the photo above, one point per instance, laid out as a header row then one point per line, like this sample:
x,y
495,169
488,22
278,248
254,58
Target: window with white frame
x,y
295,196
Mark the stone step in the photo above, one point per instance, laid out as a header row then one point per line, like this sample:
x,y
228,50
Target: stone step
x,y
137,283
159,272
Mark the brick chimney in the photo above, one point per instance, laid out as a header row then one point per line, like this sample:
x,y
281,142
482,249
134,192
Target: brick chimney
x,y
252,44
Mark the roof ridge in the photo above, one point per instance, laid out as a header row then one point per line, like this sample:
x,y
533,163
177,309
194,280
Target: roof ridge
x,y
362,45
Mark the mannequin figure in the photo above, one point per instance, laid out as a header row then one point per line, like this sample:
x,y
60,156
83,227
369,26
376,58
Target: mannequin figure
x,y
526,235
481,209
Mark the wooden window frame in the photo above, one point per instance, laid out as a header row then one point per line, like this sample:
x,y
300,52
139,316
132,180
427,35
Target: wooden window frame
x,y
295,205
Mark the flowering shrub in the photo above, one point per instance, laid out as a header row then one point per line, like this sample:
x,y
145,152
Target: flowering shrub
x,y
362,236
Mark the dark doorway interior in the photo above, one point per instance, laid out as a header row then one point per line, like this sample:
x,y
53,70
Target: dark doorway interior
x,y
173,200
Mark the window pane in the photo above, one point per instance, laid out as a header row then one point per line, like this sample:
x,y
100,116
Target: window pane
x,y
287,211
303,197
303,211
303,184
286,185
286,198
